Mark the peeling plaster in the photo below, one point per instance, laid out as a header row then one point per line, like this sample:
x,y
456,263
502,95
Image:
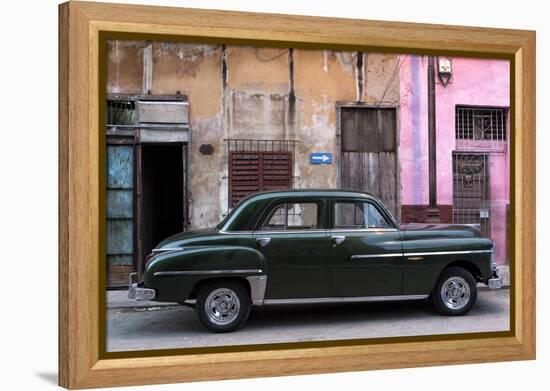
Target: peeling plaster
x,y
245,92
325,60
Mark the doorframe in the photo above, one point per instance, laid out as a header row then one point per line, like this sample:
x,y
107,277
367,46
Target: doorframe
x,y
338,156
184,150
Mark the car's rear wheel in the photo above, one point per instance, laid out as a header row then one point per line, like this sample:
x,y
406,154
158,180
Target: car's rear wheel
x,y
455,292
223,306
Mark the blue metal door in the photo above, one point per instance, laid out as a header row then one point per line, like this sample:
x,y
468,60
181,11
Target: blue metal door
x,y
120,212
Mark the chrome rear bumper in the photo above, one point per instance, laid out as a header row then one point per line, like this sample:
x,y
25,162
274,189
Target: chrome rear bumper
x,y
137,293
495,282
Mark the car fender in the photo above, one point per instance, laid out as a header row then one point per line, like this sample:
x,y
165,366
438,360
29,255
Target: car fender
x,y
174,274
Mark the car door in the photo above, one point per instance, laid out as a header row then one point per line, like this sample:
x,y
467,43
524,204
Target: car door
x,y
293,237
367,255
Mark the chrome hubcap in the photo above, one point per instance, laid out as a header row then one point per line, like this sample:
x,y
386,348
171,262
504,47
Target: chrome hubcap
x,y
222,306
455,293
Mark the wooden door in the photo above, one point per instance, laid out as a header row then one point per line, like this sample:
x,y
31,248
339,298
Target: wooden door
x,y
368,160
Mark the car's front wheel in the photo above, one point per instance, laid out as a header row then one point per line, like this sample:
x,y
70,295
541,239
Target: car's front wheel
x,y
223,306
455,292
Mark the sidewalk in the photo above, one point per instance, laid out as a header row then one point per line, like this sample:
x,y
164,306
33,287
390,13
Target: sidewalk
x,y
119,299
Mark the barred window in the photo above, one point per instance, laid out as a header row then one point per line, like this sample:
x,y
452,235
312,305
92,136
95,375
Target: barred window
x,y
480,123
121,112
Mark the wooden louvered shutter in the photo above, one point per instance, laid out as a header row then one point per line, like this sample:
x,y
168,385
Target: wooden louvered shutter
x,y
251,171
276,170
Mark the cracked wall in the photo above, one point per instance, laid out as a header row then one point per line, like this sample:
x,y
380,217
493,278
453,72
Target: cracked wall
x,y
258,93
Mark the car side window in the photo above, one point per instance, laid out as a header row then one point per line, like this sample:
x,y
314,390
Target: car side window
x,y
374,218
358,215
293,216
349,215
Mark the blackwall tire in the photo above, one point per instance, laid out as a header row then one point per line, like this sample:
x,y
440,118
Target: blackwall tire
x,y
223,306
455,292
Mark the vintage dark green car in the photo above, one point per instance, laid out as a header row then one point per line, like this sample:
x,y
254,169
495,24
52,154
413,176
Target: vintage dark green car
x,y
315,246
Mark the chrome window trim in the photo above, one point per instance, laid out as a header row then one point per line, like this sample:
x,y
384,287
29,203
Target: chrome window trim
x,y
319,300
205,272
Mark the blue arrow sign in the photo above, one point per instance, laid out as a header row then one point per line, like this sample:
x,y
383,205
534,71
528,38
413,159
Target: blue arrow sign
x,y
320,158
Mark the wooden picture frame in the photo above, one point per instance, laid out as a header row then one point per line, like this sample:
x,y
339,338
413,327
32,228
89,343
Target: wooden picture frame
x,y
83,362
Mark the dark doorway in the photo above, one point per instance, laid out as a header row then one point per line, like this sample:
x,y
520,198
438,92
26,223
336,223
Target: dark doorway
x,y
162,195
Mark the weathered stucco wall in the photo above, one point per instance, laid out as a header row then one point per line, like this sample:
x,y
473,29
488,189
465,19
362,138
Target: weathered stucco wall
x,y
257,93
475,82
321,79
125,67
195,71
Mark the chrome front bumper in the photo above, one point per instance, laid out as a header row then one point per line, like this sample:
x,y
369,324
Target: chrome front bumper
x,y
495,282
137,293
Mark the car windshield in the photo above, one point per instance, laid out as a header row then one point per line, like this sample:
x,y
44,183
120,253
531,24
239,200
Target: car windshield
x,y
226,219
231,213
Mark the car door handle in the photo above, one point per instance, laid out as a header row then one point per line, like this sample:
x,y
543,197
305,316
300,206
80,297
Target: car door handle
x,y
263,241
338,239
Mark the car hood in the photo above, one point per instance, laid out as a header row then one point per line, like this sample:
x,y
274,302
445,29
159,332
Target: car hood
x,y
440,230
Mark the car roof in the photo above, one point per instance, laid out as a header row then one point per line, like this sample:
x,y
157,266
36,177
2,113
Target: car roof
x,y
248,211
312,193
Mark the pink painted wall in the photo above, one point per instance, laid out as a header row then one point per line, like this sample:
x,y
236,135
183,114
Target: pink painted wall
x,y
476,82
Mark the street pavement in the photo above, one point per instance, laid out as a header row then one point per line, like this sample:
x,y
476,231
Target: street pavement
x,y
150,326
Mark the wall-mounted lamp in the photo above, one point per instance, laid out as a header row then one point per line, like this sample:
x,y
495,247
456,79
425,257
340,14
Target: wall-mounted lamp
x,y
445,70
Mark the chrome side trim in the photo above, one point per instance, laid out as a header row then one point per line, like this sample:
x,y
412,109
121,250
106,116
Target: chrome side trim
x,y
258,285
203,272
416,255
361,299
364,230
162,250
221,231
290,231
385,255
448,252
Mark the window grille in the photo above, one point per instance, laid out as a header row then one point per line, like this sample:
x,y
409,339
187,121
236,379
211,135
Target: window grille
x,y
471,190
480,127
125,113
121,113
